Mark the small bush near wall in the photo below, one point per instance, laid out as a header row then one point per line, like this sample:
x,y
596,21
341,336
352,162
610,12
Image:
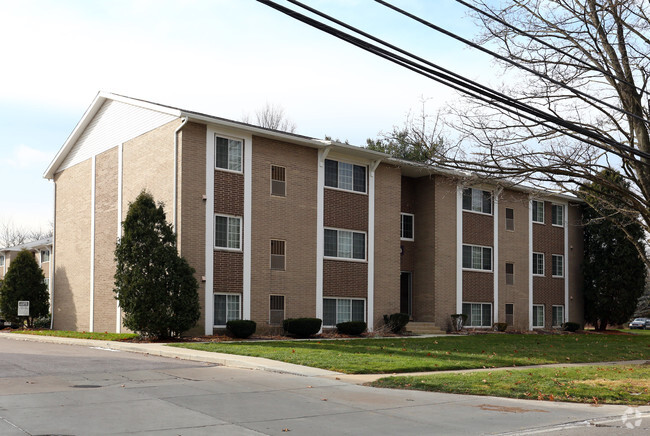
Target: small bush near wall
x,y
396,321
352,327
302,327
571,326
241,328
500,326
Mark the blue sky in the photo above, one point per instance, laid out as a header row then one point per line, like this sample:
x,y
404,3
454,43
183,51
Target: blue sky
x,y
222,57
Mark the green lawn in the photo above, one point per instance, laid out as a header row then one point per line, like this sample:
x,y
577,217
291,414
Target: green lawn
x,y
398,355
78,335
586,384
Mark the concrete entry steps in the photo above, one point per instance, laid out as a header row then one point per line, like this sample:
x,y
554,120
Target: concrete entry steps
x,y
424,328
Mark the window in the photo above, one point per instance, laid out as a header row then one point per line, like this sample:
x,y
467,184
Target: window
x,y
478,314
510,273
278,181
277,255
510,219
476,257
2,260
276,309
345,176
510,313
406,222
226,308
557,215
337,310
227,232
538,264
477,200
228,154
538,315
558,316
538,211
345,244
557,265
45,256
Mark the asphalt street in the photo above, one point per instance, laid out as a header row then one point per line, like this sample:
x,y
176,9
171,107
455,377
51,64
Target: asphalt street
x,y
59,389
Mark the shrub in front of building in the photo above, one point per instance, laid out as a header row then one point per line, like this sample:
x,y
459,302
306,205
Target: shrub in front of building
x,y
241,328
354,328
396,321
302,327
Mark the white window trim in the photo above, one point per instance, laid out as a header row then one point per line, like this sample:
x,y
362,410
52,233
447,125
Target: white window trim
x,y
543,211
562,320
413,226
553,215
553,275
543,274
476,211
365,308
240,306
491,315
480,270
241,230
348,190
543,317
214,158
348,259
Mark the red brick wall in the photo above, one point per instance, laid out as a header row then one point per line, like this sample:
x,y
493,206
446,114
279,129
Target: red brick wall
x,y
346,210
345,279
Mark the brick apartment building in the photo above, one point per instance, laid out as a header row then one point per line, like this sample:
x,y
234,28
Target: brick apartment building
x,y
279,225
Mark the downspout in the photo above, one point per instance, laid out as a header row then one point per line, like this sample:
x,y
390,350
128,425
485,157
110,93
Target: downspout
x,y
175,194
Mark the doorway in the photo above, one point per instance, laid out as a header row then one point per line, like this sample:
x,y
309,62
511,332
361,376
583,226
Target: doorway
x,y
406,293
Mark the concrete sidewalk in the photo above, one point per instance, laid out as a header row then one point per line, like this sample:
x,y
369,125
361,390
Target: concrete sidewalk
x,y
260,363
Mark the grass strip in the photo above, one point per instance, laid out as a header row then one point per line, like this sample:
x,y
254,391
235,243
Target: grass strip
x,y
399,355
612,384
79,335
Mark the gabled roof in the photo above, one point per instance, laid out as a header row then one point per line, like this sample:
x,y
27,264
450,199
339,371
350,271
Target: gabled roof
x,y
41,243
104,97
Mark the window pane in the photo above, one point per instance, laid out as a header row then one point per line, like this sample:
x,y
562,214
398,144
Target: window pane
x,y
467,310
232,307
233,232
358,310
331,243
221,231
487,201
345,176
407,226
343,310
234,155
476,315
477,200
221,153
345,244
359,178
359,244
220,310
331,173
487,259
558,214
467,199
486,315
477,261
467,256
329,311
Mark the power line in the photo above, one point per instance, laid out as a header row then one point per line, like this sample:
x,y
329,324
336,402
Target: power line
x,y
464,85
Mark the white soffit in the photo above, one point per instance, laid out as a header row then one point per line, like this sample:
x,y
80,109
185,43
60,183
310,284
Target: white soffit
x,y
114,123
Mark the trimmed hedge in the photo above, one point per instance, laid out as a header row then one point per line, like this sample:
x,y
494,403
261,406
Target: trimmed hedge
x,y
571,326
302,327
241,328
396,321
352,327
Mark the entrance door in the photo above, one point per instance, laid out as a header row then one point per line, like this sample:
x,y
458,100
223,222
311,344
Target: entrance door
x,y
406,293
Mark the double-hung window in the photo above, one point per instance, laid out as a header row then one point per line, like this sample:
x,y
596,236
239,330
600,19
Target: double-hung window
x,y
346,176
538,264
538,315
510,219
278,181
477,257
557,215
406,224
538,211
45,256
557,265
477,200
510,273
227,232
2,260
228,154
226,308
345,244
558,316
478,314
337,310
277,254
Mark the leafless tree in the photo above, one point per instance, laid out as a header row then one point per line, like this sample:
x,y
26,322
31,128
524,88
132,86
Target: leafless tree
x,y
581,49
12,235
271,116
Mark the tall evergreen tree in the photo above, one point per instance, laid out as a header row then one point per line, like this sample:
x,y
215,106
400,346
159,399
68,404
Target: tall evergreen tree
x,y
614,272
155,286
24,282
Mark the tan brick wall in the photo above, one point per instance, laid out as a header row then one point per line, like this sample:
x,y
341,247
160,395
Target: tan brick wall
x,y
191,210
345,210
343,278
292,219
576,253
72,244
423,280
513,248
105,238
387,241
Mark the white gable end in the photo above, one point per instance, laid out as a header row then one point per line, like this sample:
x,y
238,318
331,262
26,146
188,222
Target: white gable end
x,y
115,122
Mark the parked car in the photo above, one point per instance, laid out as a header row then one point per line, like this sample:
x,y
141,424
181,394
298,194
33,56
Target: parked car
x,y
640,323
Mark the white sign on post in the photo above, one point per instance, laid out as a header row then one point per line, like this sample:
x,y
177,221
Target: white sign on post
x,y
23,308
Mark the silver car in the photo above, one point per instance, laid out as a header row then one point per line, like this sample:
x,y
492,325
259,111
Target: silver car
x,y
640,323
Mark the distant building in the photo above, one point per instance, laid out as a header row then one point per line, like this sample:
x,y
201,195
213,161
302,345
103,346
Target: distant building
x,y
279,225
42,251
